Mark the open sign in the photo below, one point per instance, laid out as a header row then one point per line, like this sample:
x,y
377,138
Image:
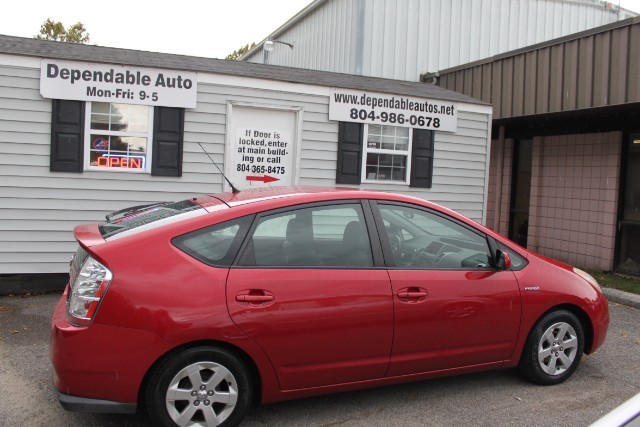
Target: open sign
x,y
121,161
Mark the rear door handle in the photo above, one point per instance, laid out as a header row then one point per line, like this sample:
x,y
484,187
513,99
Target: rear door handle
x,y
254,298
418,294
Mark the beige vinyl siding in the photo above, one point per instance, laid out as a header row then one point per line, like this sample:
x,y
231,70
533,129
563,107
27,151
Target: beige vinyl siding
x,y
40,208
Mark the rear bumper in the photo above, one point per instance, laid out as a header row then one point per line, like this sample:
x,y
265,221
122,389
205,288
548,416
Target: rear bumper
x,y
83,404
99,366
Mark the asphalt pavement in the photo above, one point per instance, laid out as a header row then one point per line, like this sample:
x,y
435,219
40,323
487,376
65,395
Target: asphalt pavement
x,y
603,380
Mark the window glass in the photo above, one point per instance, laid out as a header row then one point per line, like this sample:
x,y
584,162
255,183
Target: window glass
x,y
423,239
330,236
386,153
216,245
146,216
119,136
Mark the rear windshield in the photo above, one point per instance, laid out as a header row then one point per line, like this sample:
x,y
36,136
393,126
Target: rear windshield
x,y
148,216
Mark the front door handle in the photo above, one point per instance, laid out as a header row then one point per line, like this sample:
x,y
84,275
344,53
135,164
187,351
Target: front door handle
x,y
412,294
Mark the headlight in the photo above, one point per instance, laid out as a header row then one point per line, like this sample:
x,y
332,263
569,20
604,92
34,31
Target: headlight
x,y
586,276
87,291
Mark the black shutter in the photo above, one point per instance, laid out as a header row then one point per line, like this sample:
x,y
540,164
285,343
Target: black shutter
x,y
422,158
349,153
168,129
67,136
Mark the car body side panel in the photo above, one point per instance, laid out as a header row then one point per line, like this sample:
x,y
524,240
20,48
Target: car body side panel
x,y
546,286
467,318
322,327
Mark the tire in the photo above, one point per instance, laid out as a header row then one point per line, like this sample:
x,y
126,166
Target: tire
x,y
204,386
553,349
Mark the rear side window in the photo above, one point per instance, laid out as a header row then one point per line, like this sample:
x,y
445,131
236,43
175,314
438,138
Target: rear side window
x,y
216,245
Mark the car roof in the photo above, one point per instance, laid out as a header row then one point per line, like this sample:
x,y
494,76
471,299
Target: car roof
x,y
272,195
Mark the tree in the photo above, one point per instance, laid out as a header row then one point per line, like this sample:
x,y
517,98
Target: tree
x,y
236,54
54,30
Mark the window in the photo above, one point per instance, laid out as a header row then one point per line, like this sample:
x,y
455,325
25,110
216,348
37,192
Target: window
x,y
386,154
330,236
118,137
423,239
216,245
103,136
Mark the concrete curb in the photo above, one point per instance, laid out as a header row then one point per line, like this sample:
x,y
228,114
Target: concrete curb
x,y
621,297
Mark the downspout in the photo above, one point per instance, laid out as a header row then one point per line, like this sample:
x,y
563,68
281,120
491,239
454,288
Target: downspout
x,y
499,178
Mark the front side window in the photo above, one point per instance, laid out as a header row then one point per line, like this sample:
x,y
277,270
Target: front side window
x,y
118,137
386,156
323,236
424,239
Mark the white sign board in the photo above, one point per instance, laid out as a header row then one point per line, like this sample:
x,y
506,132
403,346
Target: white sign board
x,y
118,84
383,109
262,145
264,155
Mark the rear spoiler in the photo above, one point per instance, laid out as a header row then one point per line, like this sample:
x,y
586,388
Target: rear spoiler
x,y
128,211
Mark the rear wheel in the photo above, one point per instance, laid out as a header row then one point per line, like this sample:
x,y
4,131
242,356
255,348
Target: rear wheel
x,y
553,349
204,386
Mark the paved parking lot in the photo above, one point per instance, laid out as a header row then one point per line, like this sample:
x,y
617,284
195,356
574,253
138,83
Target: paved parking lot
x,y
603,381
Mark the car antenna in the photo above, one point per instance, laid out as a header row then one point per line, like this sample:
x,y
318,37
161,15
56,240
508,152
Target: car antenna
x,y
233,188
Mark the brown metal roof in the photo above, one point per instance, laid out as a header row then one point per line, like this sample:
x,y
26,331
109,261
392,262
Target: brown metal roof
x,y
595,68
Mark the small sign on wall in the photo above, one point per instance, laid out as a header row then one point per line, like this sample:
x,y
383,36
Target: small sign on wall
x,y
263,155
392,110
118,84
262,145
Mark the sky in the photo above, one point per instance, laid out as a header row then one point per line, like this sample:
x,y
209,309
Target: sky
x,y
208,28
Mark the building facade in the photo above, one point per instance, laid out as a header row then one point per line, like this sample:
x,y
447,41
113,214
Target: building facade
x,y
87,130
565,159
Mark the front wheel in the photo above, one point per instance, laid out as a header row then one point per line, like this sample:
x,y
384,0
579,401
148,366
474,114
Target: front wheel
x,y
203,386
553,349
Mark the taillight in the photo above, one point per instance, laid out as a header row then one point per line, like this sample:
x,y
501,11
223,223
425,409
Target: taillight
x,y
86,292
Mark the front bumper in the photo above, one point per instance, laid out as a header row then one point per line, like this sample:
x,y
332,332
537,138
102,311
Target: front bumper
x,y
600,318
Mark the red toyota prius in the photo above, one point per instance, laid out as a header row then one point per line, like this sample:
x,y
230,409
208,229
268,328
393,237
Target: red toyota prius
x,y
197,309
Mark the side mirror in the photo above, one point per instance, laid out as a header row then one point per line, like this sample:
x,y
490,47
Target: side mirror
x,y
503,260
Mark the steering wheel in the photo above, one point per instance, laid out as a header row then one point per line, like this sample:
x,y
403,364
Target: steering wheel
x,y
421,258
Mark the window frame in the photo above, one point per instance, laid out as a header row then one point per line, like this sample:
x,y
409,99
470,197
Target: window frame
x,y
245,224
370,224
386,245
87,142
408,153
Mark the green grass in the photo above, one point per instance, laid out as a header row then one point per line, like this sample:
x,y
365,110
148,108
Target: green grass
x,y
617,281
